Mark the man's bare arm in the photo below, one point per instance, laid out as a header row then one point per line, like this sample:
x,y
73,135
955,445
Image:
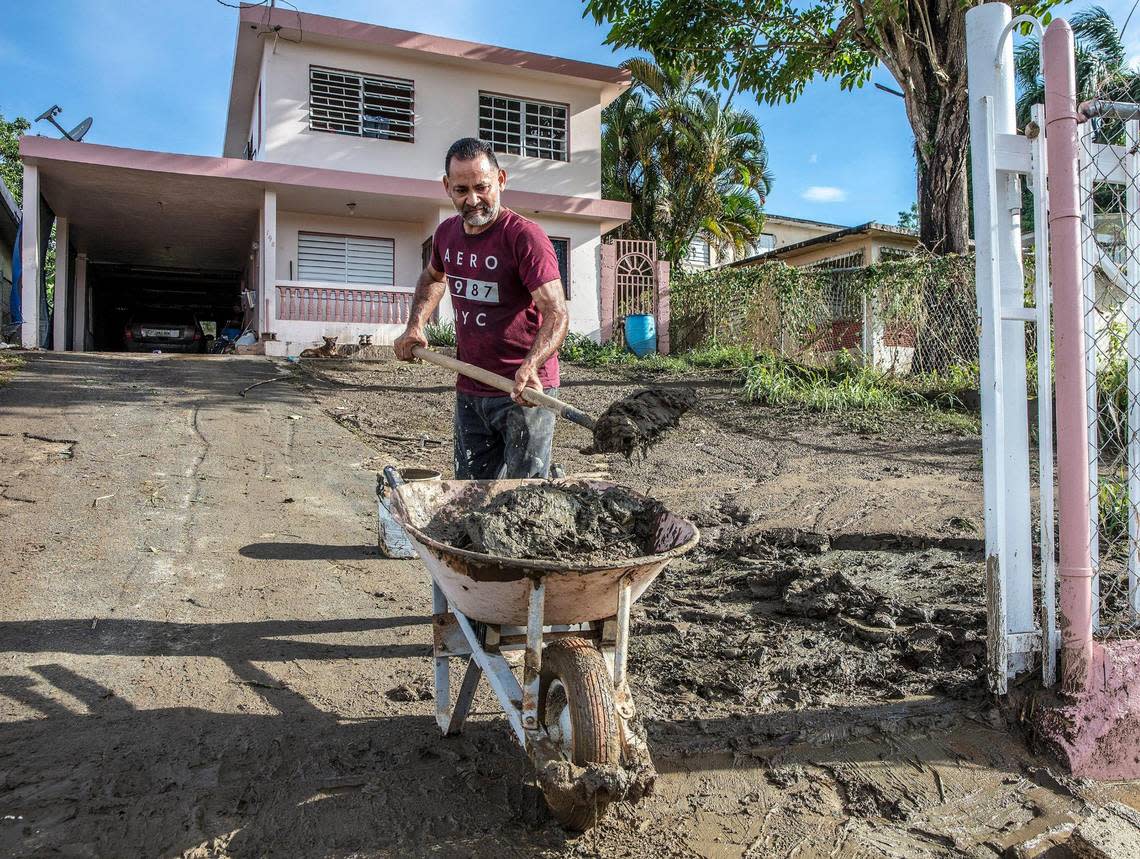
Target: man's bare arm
x,y
550,300
430,288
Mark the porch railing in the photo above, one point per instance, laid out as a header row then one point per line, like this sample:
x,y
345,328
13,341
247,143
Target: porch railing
x,y
388,305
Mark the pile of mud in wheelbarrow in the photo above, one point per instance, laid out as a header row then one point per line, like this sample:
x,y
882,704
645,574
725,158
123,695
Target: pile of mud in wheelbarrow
x,y
544,573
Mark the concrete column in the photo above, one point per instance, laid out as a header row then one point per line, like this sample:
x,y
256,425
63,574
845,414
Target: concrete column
x,y
30,259
79,336
268,255
606,287
59,301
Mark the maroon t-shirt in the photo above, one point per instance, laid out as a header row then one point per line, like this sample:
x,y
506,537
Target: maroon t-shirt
x,y
491,276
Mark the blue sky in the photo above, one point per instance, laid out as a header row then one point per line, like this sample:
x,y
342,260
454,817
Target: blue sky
x,y
156,75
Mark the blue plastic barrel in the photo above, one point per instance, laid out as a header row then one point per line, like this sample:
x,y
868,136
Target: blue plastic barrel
x,y
641,334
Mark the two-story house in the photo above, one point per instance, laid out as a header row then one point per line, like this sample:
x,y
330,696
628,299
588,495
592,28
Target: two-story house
x,y
318,216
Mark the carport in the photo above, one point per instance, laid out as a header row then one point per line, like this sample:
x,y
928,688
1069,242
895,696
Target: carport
x,y
136,228
150,230
144,228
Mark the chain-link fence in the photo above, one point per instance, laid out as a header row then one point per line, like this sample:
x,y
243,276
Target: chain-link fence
x,y
1110,197
909,316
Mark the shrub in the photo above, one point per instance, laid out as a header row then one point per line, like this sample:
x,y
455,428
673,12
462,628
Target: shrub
x,y
774,381
440,334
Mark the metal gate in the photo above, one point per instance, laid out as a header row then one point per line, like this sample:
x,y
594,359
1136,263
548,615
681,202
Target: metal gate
x,y
1021,617
635,277
1086,246
634,280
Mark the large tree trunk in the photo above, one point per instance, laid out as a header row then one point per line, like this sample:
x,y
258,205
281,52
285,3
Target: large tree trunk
x,y
925,49
932,72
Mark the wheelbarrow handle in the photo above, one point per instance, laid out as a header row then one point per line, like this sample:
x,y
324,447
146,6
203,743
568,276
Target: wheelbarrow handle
x,y
393,476
505,385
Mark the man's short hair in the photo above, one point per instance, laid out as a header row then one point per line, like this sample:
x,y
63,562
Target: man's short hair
x,y
468,149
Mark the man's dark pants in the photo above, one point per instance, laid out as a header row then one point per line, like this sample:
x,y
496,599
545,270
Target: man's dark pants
x,y
496,439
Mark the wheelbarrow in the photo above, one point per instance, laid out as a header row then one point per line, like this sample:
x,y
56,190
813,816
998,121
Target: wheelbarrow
x,y
572,713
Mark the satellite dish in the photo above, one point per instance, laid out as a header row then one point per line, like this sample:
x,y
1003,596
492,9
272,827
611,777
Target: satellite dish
x,y
80,130
76,134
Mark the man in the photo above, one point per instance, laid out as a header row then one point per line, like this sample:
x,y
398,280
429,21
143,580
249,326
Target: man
x,y
510,318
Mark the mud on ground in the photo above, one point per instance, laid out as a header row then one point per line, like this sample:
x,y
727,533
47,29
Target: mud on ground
x,y
812,676
202,655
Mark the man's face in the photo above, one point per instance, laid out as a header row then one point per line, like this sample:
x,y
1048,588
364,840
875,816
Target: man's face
x,y
475,187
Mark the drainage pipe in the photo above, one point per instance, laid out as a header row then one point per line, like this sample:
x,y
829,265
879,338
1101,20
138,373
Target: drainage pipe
x,y
1075,568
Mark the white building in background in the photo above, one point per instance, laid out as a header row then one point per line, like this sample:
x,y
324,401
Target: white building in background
x,y
318,216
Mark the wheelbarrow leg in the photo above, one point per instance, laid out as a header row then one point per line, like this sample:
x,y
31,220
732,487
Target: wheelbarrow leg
x,y
463,700
442,674
532,659
621,644
623,701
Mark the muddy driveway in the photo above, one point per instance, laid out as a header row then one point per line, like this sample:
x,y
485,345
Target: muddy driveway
x,y
202,655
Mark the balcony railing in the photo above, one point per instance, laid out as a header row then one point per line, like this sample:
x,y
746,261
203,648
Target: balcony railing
x,y
382,305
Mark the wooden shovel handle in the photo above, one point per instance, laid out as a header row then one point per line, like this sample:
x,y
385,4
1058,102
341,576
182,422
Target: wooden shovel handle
x,y
502,383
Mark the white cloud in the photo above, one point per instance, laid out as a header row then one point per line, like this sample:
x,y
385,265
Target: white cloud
x,y
824,194
813,158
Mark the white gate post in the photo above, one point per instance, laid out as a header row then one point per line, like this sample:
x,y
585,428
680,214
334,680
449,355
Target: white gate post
x,y
1000,286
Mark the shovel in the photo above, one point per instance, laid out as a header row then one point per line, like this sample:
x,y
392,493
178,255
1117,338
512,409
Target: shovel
x,y
506,385
632,423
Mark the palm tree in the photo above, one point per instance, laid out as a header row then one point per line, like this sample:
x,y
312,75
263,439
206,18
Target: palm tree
x,y
1100,61
688,166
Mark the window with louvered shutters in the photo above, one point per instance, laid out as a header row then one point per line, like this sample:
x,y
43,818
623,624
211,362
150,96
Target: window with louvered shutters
x,y
345,259
364,105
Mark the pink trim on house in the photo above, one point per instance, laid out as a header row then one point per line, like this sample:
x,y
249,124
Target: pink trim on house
x,y
375,35
331,304
43,151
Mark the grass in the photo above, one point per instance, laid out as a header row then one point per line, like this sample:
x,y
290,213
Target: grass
x,y
776,382
866,400
1113,507
438,334
9,364
580,349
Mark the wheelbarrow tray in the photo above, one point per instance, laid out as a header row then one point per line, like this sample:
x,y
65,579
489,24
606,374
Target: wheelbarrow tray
x,y
496,590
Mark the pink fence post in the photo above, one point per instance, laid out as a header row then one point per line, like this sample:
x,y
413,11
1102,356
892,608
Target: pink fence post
x,y
606,291
661,311
1075,568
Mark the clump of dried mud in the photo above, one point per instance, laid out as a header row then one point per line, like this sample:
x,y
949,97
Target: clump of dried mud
x,y
638,421
554,522
779,626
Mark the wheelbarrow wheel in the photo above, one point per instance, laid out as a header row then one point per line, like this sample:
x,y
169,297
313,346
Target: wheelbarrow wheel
x,y
576,706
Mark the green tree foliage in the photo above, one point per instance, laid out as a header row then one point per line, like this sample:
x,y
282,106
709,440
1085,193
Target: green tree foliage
x,y
688,165
11,169
1100,60
908,219
773,48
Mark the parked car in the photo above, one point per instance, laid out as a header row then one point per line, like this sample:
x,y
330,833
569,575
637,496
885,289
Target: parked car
x,y
166,329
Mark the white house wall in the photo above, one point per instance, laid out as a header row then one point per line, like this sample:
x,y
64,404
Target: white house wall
x,y
446,107
584,273
408,238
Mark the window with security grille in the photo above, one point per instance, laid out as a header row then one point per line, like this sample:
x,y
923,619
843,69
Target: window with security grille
x,y
562,252
328,258
364,105
894,254
521,127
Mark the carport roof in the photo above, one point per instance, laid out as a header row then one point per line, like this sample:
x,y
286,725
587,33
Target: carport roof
x,y
161,208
